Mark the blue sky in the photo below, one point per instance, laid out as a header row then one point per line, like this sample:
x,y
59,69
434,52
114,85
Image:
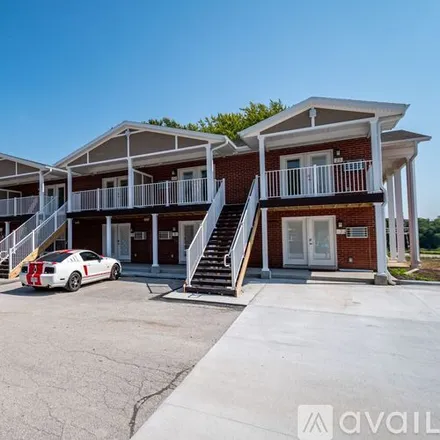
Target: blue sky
x,y
71,70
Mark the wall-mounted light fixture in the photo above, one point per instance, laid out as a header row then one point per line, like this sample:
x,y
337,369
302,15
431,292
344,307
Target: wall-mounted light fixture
x,y
337,153
340,225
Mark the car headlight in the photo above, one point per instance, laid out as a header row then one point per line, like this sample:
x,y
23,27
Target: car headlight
x,y
24,269
49,270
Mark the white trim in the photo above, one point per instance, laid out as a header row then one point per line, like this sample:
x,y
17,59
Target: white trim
x,y
400,228
391,217
197,171
377,108
381,248
116,180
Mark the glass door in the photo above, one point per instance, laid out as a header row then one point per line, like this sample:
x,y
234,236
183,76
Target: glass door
x,y
320,173
309,241
187,231
294,241
321,237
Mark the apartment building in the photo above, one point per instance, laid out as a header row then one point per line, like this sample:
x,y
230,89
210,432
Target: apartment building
x,y
302,189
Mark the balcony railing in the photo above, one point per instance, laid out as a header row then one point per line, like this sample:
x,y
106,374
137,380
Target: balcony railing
x,y
321,180
20,206
170,192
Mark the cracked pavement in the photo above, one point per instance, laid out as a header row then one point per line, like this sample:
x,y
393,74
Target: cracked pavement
x,y
95,364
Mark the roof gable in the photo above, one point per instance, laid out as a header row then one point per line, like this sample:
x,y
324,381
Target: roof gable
x,y
329,110
114,139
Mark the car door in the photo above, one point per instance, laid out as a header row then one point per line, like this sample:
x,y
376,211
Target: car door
x,y
94,268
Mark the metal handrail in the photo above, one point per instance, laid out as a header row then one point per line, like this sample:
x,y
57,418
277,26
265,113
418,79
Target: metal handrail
x,y
197,247
241,237
37,237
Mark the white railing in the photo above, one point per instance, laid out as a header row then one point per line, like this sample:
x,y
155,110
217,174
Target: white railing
x,y
26,228
20,206
170,192
37,237
320,180
241,238
195,251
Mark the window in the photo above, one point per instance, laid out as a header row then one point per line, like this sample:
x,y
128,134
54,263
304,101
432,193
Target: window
x,y
55,257
354,165
90,256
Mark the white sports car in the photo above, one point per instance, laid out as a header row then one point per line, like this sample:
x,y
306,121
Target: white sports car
x,y
69,269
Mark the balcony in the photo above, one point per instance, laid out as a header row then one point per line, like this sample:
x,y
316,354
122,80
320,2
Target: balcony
x,y
321,180
19,206
167,193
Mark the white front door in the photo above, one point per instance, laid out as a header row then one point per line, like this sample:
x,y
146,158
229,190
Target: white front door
x,y
309,241
306,174
115,192
187,231
58,191
192,185
121,241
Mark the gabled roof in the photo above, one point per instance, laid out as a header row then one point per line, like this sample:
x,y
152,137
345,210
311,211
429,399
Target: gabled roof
x,y
403,135
30,163
378,108
127,125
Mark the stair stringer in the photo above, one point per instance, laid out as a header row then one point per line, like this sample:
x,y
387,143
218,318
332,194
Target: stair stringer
x,y
247,255
37,251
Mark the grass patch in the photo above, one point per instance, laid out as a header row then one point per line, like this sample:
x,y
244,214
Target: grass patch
x,y
430,251
420,275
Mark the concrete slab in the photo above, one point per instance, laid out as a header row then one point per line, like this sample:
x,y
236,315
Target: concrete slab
x,y
166,271
242,300
317,275
355,347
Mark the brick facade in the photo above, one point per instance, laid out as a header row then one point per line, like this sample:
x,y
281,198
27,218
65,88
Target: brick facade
x,y
87,233
361,250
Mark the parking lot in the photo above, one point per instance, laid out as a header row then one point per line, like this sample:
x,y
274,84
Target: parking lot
x,y
96,363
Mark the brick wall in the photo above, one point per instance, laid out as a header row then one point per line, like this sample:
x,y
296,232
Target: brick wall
x,y
238,171
87,233
351,149
363,251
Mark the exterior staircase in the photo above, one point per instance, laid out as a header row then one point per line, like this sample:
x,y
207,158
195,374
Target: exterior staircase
x,y
220,254
28,241
212,276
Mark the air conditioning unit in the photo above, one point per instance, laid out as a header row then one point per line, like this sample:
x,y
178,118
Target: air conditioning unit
x,y
165,235
357,232
140,235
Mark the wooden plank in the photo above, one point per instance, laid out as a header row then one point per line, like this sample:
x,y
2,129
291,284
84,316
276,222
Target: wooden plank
x,y
36,252
247,254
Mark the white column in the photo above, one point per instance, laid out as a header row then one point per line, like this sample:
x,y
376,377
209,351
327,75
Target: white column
x,y
155,266
412,214
69,190
391,218
381,249
70,233
7,228
399,216
130,181
262,157
41,189
376,154
210,172
108,235
265,271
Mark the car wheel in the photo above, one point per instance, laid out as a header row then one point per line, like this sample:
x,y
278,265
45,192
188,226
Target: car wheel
x,y
74,282
115,272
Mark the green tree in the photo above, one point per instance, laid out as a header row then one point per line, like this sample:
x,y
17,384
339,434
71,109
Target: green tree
x,y
229,124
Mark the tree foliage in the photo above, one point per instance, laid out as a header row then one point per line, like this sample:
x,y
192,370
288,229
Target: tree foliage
x,y
229,124
429,233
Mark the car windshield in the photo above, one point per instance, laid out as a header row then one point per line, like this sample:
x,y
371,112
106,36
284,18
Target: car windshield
x,y
55,257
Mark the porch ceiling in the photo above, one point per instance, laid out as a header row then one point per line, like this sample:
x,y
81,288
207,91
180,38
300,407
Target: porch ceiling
x,y
319,135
